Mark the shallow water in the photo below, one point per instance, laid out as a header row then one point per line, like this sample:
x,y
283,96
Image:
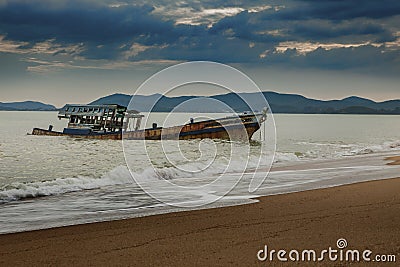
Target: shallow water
x,y
54,181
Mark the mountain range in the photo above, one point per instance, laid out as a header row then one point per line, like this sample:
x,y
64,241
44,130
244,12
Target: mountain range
x,y
279,103
26,106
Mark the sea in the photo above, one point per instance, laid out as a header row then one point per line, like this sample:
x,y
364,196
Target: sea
x,y
50,182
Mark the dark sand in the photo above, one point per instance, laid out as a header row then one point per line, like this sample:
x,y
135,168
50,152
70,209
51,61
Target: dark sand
x,y
394,160
367,215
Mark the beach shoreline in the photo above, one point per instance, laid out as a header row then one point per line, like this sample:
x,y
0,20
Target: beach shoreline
x,y
365,214
393,160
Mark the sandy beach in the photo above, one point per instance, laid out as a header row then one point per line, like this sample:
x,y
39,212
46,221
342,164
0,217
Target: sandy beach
x,y
393,160
365,214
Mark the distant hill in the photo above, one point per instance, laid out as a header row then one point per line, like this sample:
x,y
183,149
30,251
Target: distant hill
x,y
26,106
280,103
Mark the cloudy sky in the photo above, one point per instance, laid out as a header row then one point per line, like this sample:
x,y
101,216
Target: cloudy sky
x,y
78,50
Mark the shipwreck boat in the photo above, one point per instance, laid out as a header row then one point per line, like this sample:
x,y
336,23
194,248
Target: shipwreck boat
x,y
116,122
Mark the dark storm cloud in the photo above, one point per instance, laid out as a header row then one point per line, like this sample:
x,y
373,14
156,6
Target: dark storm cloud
x,y
324,30
339,9
213,48
340,58
241,24
79,23
315,20
109,32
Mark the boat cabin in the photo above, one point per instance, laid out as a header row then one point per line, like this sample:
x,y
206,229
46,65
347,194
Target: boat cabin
x,y
85,119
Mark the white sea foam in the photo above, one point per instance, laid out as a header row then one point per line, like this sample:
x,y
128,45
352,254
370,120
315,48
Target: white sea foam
x,y
327,150
17,190
285,157
121,175
386,146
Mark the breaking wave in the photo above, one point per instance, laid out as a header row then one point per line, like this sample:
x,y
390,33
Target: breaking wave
x,y
121,175
17,190
387,146
118,176
336,150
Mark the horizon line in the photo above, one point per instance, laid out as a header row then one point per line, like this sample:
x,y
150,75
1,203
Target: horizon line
x,y
295,94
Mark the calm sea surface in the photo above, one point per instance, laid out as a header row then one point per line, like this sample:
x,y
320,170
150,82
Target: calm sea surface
x,y
54,181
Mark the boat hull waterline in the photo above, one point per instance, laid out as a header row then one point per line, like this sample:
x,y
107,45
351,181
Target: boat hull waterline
x,y
199,130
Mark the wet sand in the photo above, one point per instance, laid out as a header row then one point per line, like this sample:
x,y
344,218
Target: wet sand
x,y
394,160
366,214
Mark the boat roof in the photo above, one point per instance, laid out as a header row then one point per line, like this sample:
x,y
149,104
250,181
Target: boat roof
x,y
94,106
89,110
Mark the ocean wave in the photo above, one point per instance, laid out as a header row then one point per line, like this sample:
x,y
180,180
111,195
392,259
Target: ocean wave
x,y
121,175
17,190
287,157
338,149
386,146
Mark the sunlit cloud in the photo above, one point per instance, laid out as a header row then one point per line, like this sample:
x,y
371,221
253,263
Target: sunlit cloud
x,y
260,8
7,46
394,45
50,66
304,48
116,5
190,16
264,54
276,32
46,47
135,49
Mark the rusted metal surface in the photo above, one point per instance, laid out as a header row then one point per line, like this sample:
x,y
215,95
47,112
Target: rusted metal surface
x,y
158,134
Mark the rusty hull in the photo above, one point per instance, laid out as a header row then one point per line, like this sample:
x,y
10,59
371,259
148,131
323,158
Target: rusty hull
x,y
198,130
